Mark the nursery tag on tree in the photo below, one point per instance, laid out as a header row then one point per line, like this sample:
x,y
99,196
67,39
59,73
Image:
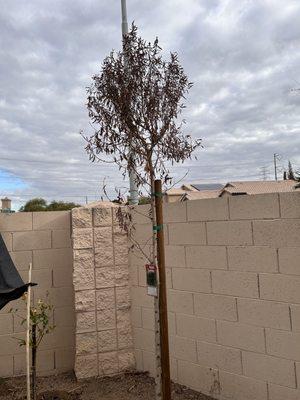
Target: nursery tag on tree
x,y
151,279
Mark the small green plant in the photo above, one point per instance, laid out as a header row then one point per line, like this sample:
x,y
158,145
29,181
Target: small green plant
x,y
40,325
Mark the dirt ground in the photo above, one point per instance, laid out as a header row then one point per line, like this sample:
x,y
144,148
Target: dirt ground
x,y
135,386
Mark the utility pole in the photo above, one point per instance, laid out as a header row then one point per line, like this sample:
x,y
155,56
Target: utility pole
x,y
133,189
275,158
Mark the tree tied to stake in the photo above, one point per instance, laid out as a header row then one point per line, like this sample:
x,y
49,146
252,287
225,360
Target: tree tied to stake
x,y
134,104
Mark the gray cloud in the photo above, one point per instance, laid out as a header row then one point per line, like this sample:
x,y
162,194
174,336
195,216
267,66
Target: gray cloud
x,y
243,58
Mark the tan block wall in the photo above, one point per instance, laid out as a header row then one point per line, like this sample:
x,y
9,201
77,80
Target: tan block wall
x,y
104,344
44,239
233,296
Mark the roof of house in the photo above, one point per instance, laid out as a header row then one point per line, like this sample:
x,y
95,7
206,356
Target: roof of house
x,y
204,194
257,187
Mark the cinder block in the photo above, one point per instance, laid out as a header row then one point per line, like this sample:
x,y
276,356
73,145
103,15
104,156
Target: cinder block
x,y
183,348
219,357
107,341
193,280
196,328
85,300
180,302
86,366
9,345
42,277
82,238
211,257
105,299
21,259
16,222
283,344
148,318
264,313
295,315
243,284
59,338
270,369
86,322
199,378
149,363
108,363
62,277
138,355
241,336
261,206
122,275
144,339
280,287
104,256
277,233
7,238
214,306
51,220
187,233
139,297
289,260
106,319
142,233
102,216
252,259
237,387
53,257
61,239
84,279
208,209
6,366
64,316
81,217
175,256
6,323
65,359
31,240
136,317
126,361
123,300
290,205
140,214
45,363
105,277
229,233
58,297
133,275
279,393
174,212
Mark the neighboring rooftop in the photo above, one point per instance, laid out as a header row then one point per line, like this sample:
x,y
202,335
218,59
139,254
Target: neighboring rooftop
x,y
196,191
258,187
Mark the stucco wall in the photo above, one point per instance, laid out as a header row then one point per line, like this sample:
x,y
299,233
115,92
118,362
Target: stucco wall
x,y
44,239
234,296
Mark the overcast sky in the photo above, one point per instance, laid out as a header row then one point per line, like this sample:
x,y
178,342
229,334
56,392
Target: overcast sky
x,y
243,57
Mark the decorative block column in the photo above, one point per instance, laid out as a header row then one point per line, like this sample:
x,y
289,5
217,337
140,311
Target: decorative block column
x,y
104,344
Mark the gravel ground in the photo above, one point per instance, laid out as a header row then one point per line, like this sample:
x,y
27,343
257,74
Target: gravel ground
x,y
133,386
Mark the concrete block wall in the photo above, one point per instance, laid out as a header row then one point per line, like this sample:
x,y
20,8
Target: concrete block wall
x,y
233,294
44,239
104,344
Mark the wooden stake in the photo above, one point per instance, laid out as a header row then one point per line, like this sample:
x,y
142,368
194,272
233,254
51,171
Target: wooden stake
x,y
28,333
163,310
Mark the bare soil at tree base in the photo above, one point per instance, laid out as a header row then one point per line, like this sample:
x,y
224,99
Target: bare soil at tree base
x,y
133,386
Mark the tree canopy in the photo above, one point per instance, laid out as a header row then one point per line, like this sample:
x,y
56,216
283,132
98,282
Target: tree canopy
x,y
134,104
39,204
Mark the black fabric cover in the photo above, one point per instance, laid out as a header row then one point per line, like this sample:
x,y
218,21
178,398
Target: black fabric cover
x,y
11,284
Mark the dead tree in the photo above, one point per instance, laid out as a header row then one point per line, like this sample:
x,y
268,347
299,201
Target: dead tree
x,y
135,107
